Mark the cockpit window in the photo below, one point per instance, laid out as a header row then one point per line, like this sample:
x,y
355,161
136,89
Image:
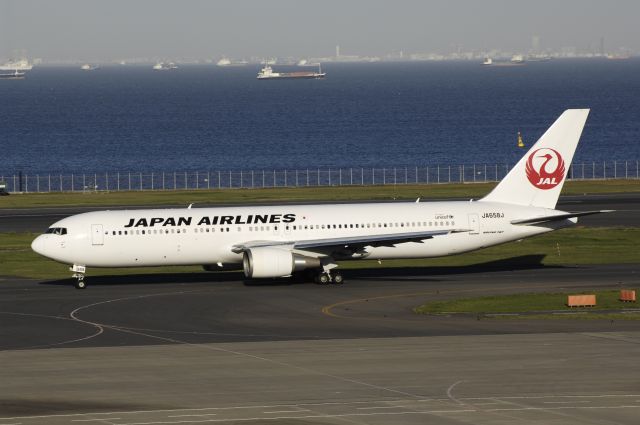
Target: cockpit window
x,y
57,230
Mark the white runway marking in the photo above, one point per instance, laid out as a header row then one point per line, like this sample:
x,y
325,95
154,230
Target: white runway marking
x,y
381,407
192,415
563,408
450,395
489,403
55,344
319,416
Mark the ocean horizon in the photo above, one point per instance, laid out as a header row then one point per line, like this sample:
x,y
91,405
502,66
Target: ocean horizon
x,y
411,114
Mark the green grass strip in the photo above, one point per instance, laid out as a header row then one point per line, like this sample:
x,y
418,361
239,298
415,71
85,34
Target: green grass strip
x,y
529,303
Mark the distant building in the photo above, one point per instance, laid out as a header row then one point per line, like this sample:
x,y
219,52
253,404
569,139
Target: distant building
x,y
535,43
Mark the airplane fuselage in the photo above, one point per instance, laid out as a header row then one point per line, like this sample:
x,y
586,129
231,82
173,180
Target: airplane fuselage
x,y
206,236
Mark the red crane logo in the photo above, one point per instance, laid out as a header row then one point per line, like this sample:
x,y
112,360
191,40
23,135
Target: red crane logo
x,y
545,168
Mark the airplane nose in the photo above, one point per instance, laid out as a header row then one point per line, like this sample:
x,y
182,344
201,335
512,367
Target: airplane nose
x,y
38,245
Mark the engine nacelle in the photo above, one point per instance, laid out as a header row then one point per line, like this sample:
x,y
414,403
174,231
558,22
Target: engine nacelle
x,y
275,262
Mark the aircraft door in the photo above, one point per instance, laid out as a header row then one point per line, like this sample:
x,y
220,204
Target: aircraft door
x,y
474,224
97,235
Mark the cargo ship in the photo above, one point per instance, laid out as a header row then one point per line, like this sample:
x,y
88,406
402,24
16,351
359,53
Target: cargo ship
x,y
15,70
15,75
267,73
164,66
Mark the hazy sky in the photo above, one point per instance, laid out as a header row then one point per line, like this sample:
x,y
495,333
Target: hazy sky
x,y
112,29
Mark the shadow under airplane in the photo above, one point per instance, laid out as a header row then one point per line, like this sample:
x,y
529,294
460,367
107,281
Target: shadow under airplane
x,y
523,262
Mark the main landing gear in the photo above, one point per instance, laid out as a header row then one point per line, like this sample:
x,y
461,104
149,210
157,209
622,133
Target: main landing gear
x,y
326,278
326,275
79,272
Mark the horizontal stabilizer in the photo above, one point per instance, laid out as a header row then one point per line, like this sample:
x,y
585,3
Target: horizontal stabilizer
x,y
557,217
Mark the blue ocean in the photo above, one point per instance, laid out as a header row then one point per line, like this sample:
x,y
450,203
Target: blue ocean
x,y
202,117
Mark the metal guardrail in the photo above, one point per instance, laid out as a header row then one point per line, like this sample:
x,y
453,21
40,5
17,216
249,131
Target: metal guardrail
x,y
310,177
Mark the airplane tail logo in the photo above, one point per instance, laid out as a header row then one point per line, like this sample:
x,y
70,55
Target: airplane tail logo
x,y
545,168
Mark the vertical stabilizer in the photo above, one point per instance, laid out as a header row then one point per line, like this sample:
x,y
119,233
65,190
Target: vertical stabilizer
x,y
538,177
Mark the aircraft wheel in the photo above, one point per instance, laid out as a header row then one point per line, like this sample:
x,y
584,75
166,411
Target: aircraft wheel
x,y
338,279
80,283
323,279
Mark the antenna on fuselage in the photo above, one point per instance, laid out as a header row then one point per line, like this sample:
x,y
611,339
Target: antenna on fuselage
x,y
189,207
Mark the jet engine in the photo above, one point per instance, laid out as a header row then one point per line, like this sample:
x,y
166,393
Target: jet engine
x,y
275,262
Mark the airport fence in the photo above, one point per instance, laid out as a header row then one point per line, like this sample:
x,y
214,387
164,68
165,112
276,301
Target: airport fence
x,y
309,177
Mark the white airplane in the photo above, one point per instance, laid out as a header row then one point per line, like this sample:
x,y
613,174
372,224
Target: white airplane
x,y
278,241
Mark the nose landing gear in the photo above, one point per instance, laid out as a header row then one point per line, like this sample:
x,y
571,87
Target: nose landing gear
x,y
80,281
79,272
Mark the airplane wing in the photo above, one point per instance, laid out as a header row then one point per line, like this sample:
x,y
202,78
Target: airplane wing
x,y
557,217
349,241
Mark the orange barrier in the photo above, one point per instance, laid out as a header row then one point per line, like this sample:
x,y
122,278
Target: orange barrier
x,y
581,301
628,295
